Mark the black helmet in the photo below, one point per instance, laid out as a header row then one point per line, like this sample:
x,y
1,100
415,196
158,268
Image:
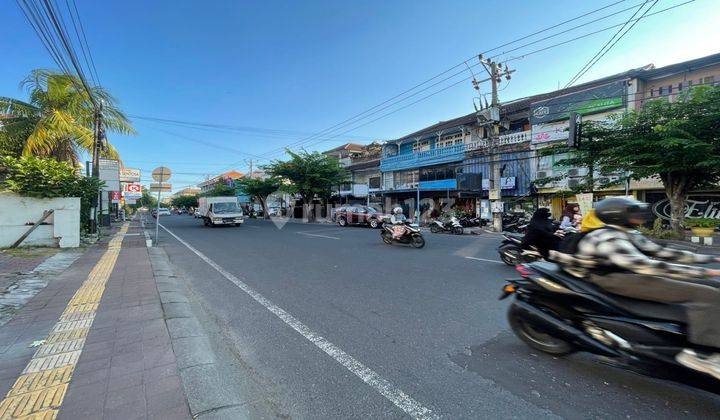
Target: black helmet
x,y
619,211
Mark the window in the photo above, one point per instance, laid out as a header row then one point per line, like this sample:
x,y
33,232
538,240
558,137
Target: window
x,y
374,182
710,80
421,146
652,92
661,91
670,89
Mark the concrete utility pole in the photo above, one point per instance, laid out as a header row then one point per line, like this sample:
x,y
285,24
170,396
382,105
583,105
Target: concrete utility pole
x,y
490,116
95,214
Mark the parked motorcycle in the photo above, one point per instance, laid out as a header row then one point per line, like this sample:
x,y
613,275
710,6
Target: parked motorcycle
x,y
512,253
451,225
412,235
467,221
514,223
559,314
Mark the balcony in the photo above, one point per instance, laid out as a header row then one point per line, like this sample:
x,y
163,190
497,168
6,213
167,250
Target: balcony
x,y
503,140
426,158
356,190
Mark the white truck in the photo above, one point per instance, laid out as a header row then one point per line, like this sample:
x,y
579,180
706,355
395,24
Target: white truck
x,y
220,211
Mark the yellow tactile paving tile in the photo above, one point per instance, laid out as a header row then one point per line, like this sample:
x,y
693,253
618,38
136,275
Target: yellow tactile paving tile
x,y
67,335
85,307
32,402
60,347
39,380
38,393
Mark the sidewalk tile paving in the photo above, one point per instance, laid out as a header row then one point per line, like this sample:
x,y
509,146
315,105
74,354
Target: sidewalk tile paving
x,y
93,343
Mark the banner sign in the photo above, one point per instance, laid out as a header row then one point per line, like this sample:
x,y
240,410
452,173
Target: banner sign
x,y
129,175
585,102
109,171
506,183
132,190
585,202
697,206
115,197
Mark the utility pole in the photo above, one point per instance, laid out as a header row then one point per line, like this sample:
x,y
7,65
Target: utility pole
x,y
490,116
96,212
251,169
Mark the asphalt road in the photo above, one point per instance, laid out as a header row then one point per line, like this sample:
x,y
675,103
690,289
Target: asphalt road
x,y
333,323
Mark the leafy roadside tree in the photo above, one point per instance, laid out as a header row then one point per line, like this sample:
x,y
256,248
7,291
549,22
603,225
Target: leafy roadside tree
x,y
677,142
147,199
592,147
47,178
185,201
309,174
259,189
57,121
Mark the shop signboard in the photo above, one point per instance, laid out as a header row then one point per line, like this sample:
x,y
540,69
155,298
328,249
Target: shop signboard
x,y
590,101
132,190
109,171
697,206
115,197
129,175
506,183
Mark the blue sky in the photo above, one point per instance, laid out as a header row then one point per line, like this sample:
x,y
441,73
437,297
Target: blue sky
x,y
304,66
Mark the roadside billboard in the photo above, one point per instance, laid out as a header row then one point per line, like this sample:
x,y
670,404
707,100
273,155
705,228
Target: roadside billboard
x,y
590,101
129,175
110,173
132,190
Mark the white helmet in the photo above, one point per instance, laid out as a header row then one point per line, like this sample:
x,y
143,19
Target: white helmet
x,y
398,210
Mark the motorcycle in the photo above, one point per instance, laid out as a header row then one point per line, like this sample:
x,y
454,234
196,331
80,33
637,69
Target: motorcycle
x,y
467,221
514,223
412,235
556,313
512,253
450,225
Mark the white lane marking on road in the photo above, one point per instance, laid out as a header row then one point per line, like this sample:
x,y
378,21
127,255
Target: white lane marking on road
x,y
251,226
317,236
395,395
479,259
321,230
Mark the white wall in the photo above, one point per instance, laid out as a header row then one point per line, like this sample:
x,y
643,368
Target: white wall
x,y
63,228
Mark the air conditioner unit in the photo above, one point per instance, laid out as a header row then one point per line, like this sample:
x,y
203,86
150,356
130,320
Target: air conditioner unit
x,y
543,174
573,183
573,172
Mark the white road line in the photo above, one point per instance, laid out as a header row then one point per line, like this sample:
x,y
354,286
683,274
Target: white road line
x,y
479,259
251,226
395,395
335,229
317,236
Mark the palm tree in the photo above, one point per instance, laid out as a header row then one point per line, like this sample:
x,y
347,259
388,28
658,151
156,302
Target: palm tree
x,y
58,120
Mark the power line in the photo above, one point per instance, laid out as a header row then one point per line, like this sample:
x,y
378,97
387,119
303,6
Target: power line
x,y
85,49
522,56
616,41
590,62
356,117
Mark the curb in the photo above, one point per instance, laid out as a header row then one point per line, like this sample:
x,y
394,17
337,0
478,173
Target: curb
x,y
207,395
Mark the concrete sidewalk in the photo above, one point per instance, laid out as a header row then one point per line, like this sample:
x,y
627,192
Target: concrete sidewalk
x,y
94,342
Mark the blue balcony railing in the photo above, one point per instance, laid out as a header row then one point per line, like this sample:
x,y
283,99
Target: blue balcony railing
x,y
420,159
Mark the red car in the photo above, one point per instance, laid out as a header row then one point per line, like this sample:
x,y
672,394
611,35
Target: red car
x,y
359,215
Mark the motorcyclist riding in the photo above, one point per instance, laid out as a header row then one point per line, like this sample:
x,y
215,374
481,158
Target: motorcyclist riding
x,y
398,221
620,260
541,233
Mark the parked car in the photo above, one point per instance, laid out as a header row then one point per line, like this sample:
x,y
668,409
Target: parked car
x,y
163,212
359,215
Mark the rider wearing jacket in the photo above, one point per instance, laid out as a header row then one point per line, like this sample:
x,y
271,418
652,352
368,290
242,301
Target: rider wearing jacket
x,y
397,219
541,233
620,260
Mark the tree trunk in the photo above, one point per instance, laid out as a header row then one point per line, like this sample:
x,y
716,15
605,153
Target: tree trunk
x,y
264,207
677,193
309,209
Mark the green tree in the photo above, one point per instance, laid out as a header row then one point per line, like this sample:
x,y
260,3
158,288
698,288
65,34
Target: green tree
x,y
259,189
147,199
185,201
58,120
677,142
586,156
308,174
